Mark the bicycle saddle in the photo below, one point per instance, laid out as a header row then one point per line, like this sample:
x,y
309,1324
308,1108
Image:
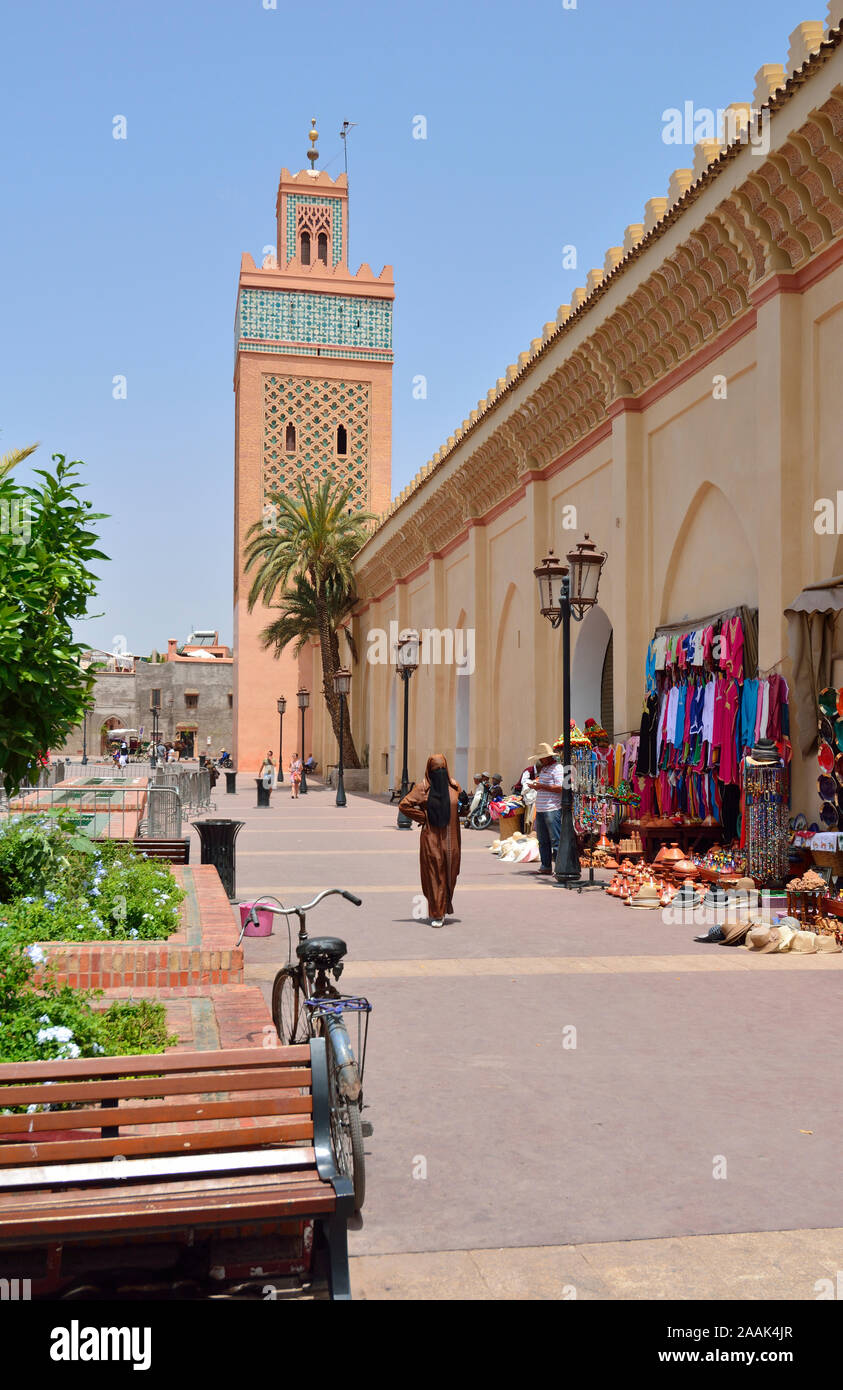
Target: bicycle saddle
x,y
322,950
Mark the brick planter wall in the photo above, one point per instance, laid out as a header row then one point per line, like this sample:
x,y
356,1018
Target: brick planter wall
x,y
203,951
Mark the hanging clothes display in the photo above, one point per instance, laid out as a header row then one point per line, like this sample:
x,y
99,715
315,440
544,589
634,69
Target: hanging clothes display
x,y
705,705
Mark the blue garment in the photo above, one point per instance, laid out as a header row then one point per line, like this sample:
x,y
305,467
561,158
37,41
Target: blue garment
x,y
650,669
681,703
548,825
697,701
749,706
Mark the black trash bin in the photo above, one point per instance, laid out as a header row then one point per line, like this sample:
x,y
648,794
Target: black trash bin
x,y
203,758
263,792
217,840
229,782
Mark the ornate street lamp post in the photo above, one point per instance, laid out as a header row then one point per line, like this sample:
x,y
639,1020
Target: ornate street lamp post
x,y
282,705
567,591
155,705
303,697
406,662
342,685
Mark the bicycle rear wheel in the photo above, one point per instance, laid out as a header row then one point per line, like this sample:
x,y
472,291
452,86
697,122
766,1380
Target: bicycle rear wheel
x,y
346,1129
288,1008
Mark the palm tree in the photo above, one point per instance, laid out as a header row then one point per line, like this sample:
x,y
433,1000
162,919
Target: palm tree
x,y
303,560
14,457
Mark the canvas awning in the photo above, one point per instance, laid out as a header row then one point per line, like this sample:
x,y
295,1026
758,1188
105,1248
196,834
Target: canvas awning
x,y
815,638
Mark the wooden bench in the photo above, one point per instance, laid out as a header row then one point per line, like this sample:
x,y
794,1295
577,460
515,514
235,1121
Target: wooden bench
x,y
195,1165
177,851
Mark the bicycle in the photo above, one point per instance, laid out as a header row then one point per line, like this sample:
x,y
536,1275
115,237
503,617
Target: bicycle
x,y
304,1005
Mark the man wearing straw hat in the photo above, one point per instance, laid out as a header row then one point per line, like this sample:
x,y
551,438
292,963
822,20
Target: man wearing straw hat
x,y
548,788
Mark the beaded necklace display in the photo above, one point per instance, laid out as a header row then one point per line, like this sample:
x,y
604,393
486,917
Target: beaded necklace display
x,y
767,815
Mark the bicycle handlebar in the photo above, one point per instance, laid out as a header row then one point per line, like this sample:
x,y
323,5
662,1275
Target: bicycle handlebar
x,y
281,911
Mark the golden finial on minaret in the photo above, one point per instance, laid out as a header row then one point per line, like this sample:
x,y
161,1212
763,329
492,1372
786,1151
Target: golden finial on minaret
x,y
313,153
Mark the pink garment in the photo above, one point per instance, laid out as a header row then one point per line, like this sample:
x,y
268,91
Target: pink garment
x,y
761,719
778,698
707,640
729,712
762,710
734,657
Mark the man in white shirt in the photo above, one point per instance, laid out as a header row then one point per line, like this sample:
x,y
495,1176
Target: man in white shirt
x,y
548,786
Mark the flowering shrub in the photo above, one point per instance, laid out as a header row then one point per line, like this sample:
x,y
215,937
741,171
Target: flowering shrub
x,y
57,886
38,1024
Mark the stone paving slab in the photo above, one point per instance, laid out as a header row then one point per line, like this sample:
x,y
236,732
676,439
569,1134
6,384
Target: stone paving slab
x,y
749,1266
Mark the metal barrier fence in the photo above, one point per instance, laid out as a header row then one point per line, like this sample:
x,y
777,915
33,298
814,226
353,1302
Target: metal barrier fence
x,y
192,784
163,814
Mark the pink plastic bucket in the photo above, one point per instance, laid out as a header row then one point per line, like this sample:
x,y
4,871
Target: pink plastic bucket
x,y
264,927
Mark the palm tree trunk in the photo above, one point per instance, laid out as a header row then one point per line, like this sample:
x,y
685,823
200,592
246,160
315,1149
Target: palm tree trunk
x,y
330,649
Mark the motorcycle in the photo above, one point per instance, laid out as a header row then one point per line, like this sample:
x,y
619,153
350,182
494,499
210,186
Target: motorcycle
x,y
479,816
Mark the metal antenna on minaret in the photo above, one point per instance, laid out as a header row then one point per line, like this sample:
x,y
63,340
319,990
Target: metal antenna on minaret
x,y
346,127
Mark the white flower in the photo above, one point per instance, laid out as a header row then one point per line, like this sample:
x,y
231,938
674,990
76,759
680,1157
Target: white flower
x,y
70,1049
36,955
56,1034
97,1049
44,1019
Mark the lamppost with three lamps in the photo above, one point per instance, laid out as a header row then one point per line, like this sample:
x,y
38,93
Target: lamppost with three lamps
x,y
342,685
303,697
406,662
566,591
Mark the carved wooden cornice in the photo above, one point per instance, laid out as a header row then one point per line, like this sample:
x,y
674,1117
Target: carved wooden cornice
x,y
787,210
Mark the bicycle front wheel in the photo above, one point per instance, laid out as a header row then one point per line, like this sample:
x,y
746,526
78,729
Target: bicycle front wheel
x,y
288,1008
346,1129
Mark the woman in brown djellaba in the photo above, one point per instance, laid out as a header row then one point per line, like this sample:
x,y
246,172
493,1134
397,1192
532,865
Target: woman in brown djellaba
x,y
433,803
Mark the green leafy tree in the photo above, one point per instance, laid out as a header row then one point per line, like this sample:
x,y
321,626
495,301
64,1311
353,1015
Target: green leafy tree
x,y
46,548
303,566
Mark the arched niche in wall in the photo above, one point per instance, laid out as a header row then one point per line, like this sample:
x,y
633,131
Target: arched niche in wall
x,y
588,657
113,722
711,565
511,686
459,713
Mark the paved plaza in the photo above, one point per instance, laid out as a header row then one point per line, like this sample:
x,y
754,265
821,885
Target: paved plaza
x,y
565,1094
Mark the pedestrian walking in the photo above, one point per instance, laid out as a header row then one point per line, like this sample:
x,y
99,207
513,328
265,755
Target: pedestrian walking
x,y
547,784
434,804
295,775
268,770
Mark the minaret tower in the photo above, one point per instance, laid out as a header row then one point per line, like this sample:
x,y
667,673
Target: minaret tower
x,y
313,400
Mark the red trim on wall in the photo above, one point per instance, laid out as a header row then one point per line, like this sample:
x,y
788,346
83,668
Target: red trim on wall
x,y
685,370
801,279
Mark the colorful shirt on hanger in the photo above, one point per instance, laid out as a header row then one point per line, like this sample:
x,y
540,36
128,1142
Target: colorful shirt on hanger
x,y
749,707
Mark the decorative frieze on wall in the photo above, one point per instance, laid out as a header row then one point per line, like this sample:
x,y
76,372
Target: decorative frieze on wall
x,y
293,319
302,417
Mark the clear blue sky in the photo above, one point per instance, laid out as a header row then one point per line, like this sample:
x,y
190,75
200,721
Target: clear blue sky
x,y
121,257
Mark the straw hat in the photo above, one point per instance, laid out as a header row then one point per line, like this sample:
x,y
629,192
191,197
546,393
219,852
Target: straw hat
x,y
545,751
